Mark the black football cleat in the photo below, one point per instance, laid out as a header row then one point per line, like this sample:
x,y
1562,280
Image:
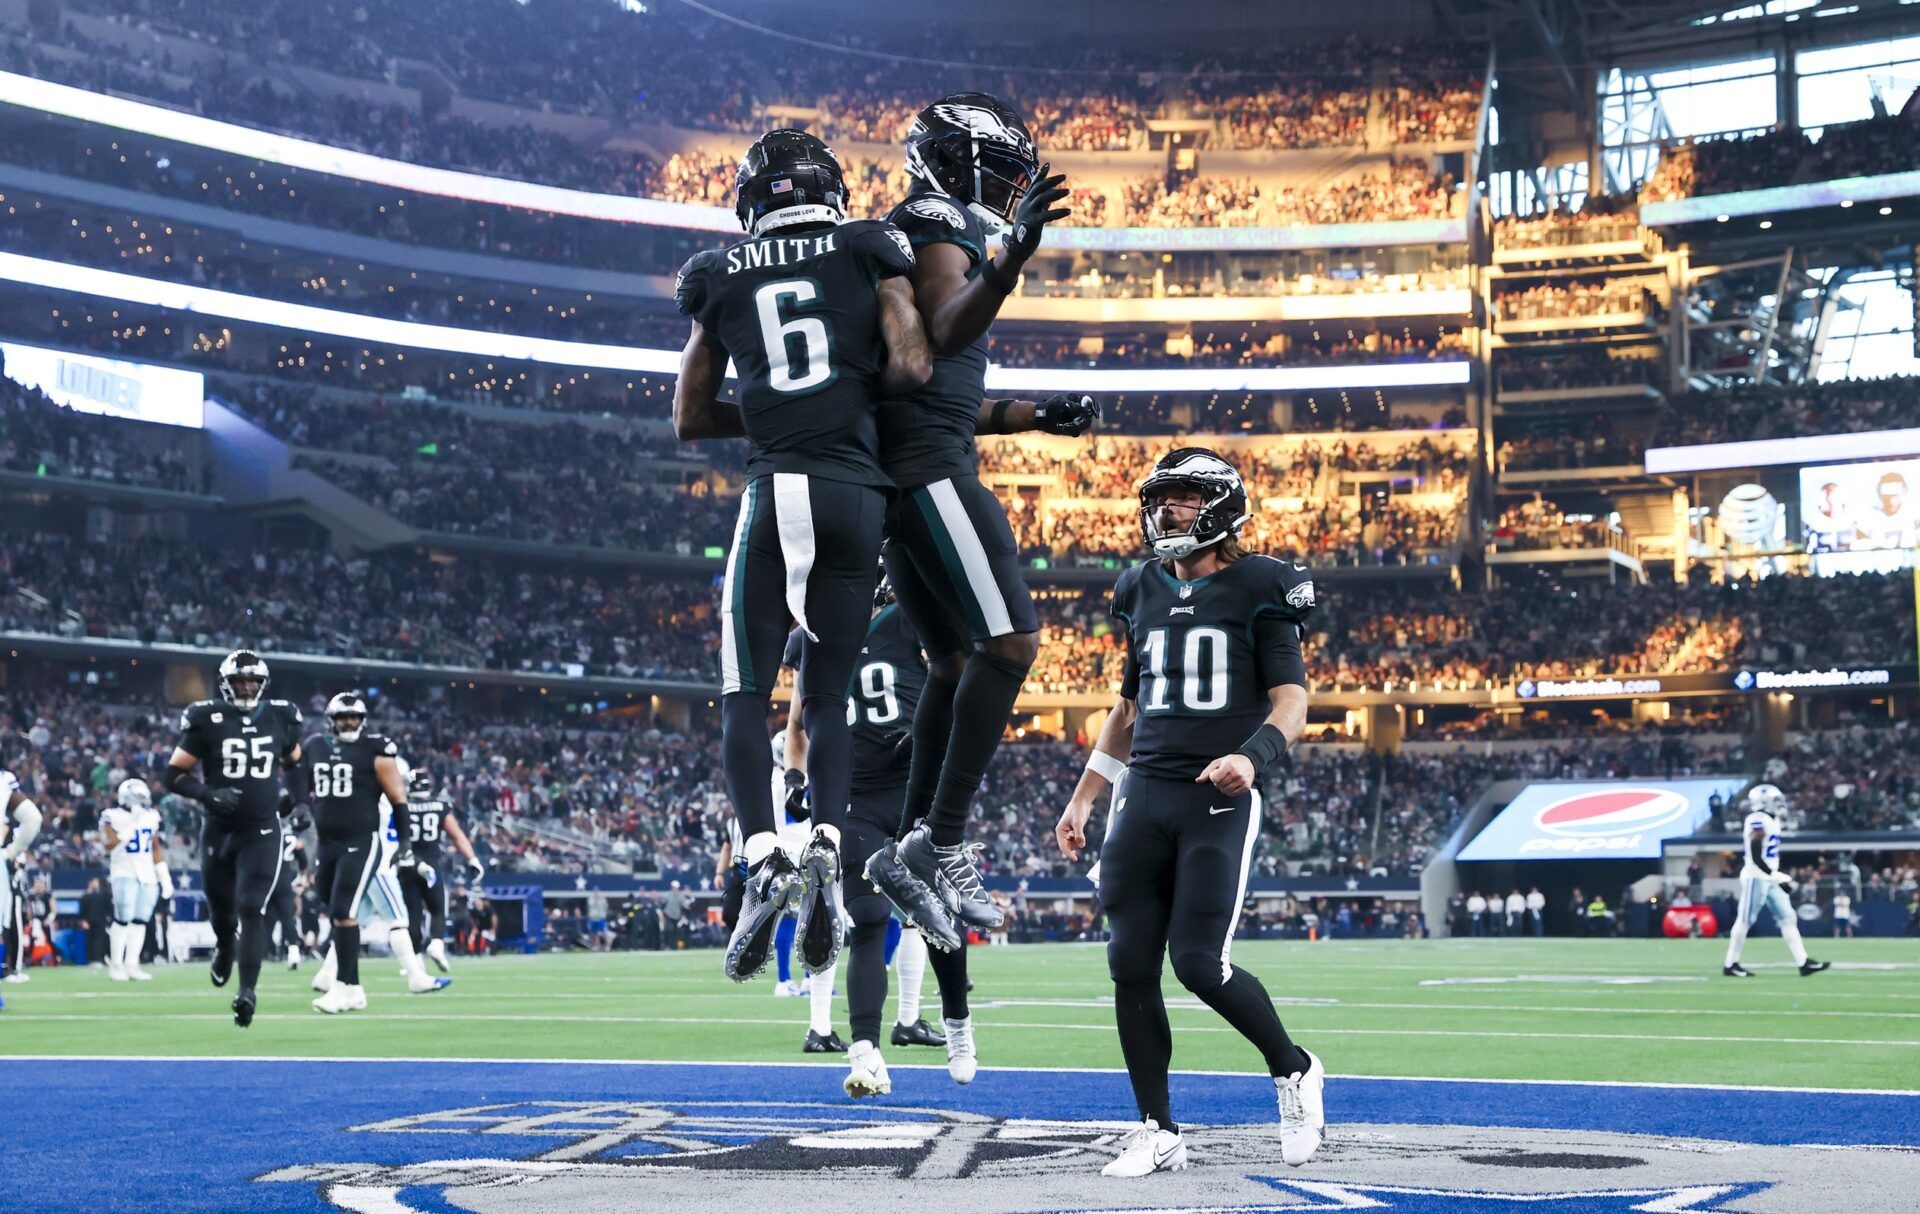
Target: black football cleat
x,y
222,968
918,905
243,1005
1810,967
773,888
918,1033
822,922
1736,970
968,899
830,1044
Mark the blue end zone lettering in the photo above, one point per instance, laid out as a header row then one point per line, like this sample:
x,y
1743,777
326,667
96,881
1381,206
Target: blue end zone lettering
x,y
395,1136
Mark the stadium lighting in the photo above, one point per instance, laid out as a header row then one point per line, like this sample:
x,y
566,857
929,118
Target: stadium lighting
x,y
305,318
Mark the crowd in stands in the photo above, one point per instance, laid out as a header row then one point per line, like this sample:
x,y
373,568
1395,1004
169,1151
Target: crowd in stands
x,y
1860,776
40,437
1581,367
1538,524
1740,414
1571,440
1559,301
1599,219
1113,467
1782,157
1488,725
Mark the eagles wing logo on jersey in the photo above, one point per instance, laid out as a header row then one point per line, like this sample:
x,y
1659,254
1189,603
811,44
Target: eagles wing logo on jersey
x,y
900,238
1301,596
933,208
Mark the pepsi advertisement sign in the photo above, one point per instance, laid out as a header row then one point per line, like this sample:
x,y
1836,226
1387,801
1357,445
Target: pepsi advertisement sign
x,y
1598,820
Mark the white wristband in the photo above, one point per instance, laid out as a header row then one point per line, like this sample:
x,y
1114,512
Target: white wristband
x,y
1104,765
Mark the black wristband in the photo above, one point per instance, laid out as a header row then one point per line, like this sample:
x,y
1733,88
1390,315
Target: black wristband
x,y
997,420
996,279
183,783
1265,748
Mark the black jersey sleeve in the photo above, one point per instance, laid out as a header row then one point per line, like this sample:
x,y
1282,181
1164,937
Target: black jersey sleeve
x,y
1122,609
692,291
291,722
930,219
1285,599
193,730
883,248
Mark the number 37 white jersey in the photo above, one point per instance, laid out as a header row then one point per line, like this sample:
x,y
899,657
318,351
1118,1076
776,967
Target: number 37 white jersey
x,y
136,829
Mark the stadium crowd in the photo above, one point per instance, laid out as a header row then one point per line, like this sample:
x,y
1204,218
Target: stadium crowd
x,y
1740,414
42,438
1780,158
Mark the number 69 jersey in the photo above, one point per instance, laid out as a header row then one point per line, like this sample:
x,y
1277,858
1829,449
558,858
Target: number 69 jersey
x,y
346,793
800,316
1201,656
242,750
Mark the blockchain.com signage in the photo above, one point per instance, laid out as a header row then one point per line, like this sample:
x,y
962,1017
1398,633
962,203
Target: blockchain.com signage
x,y
1598,820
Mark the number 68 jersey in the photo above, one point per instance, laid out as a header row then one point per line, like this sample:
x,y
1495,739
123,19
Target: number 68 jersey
x,y
800,316
1201,656
346,791
242,750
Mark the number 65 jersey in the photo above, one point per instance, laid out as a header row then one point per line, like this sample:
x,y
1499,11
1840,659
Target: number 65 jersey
x,y
242,750
1202,654
800,315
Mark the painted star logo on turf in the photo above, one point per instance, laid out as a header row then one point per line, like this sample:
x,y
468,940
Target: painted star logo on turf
x,y
1686,1199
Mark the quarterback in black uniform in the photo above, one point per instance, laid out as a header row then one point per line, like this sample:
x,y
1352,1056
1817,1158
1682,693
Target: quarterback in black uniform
x,y
240,742
352,769
429,821
951,555
817,315
1214,693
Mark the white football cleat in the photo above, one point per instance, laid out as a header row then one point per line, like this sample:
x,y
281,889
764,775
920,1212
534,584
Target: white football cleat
x,y
962,1060
341,998
293,957
786,990
1147,1150
419,982
116,972
324,980
437,953
137,974
867,1074
1303,1115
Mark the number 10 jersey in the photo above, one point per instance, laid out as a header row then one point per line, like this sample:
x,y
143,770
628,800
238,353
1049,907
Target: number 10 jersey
x,y
800,316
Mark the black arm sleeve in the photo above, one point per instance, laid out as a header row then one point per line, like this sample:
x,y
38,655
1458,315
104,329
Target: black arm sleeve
x,y
182,782
300,782
1276,645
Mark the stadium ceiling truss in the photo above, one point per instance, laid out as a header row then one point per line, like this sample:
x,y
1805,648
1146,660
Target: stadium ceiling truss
x,y
1763,320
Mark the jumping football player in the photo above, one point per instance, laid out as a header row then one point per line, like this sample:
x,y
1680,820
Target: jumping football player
x,y
137,871
1214,692
951,555
423,884
244,743
880,703
817,314
19,827
1764,885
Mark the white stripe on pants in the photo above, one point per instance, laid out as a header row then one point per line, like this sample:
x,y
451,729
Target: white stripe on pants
x,y
980,582
729,641
1240,894
793,517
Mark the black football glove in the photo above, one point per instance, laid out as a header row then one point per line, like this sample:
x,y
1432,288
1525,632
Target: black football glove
x,y
903,748
1066,413
301,822
1033,213
403,856
223,802
796,793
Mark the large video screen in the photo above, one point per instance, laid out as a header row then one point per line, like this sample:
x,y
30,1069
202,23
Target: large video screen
x,y
1862,516
1598,820
87,383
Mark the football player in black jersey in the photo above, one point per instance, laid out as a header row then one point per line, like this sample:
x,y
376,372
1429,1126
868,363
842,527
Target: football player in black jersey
x,y
879,704
352,769
817,314
240,742
429,820
951,554
283,909
1215,691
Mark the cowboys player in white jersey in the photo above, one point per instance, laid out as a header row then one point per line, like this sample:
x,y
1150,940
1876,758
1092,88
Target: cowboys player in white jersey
x,y
137,870
19,826
1764,885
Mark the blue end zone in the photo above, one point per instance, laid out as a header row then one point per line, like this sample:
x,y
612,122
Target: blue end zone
x,y
139,1136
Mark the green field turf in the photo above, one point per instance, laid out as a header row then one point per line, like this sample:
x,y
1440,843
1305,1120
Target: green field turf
x,y
1522,1009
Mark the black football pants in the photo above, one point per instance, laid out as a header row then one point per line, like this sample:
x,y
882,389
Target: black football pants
x,y
240,868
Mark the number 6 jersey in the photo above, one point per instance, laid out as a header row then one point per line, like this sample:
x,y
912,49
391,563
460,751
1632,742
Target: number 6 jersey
x,y
242,750
799,313
1201,656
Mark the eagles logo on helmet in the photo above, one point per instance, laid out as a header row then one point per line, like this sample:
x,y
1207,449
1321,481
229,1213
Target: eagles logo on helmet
x,y
419,784
345,705
974,148
240,667
1196,470
787,178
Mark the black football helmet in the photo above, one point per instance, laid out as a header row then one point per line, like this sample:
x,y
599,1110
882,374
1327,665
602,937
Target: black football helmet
x,y
789,177
243,666
974,148
882,588
343,707
1194,469
419,784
